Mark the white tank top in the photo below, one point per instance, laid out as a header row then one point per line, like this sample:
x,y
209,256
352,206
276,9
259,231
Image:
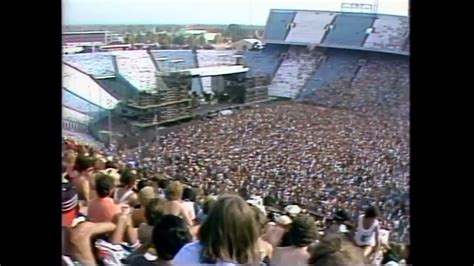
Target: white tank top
x,y
189,207
365,237
124,198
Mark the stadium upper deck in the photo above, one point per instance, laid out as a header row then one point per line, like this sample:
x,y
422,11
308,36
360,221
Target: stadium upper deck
x,y
83,87
360,31
99,65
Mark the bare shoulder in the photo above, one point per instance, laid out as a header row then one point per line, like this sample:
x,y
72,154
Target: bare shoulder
x,y
175,204
174,208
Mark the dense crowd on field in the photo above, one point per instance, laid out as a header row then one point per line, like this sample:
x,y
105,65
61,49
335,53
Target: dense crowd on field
x,y
276,184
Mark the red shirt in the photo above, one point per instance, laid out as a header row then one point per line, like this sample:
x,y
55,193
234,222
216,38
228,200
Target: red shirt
x,y
69,216
102,210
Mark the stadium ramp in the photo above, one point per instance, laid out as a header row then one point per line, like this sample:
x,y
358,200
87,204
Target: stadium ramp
x,y
309,27
265,62
349,30
293,72
338,65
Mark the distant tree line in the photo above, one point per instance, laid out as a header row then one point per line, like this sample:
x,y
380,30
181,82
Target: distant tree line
x,y
167,39
168,35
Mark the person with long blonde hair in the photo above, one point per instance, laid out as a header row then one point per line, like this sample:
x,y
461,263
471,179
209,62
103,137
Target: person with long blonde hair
x,y
229,236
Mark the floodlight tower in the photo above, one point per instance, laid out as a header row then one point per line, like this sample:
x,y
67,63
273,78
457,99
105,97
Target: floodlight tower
x,y
371,8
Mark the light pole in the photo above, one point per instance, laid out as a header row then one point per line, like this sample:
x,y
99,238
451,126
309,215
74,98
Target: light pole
x,y
110,127
155,121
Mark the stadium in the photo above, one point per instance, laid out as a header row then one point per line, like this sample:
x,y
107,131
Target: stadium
x,y
313,122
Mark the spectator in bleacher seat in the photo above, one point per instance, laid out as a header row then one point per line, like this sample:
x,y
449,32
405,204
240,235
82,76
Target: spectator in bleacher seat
x,y
99,163
340,223
154,210
82,150
79,238
174,205
229,236
336,250
84,180
143,183
170,234
70,204
144,196
395,254
265,249
124,194
121,243
189,198
111,164
69,159
274,234
162,185
206,208
103,207
106,236
303,232
293,210
114,173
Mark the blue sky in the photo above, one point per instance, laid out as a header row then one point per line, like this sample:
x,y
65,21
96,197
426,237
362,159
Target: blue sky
x,y
199,11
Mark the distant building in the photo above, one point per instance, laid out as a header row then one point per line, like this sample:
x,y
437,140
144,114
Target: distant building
x,y
195,32
207,28
247,44
90,38
72,49
210,37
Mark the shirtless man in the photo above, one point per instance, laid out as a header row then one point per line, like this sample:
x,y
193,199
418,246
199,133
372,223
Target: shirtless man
x,y
303,232
77,233
274,232
85,169
174,206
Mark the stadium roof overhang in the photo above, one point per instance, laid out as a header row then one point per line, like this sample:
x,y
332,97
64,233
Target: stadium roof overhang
x,y
216,71
349,47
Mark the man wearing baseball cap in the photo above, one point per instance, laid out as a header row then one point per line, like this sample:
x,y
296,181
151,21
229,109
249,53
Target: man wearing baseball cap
x,y
293,210
274,233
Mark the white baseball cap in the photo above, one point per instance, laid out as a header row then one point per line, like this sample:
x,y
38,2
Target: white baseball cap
x,y
283,220
293,210
260,207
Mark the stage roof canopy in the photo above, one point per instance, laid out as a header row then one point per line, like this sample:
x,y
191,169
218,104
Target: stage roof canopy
x,y
217,70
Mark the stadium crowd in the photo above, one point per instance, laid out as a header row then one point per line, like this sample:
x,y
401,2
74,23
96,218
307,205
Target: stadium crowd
x,y
315,161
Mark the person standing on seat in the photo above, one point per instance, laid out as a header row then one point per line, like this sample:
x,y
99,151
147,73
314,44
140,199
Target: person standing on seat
x,y
367,231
